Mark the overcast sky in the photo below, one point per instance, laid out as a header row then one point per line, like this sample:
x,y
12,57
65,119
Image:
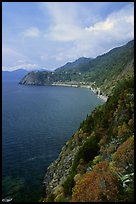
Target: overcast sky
x,y
38,35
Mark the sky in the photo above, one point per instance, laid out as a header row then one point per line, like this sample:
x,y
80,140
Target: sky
x,y
47,35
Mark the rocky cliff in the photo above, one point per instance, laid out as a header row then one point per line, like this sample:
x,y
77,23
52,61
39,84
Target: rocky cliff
x,y
59,170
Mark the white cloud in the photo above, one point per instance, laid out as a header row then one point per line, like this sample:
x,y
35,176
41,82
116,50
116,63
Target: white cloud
x,y
115,30
65,33
68,30
64,25
32,32
118,25
28,66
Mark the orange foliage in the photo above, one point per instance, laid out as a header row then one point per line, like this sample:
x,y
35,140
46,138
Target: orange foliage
x,y
124,154
98,185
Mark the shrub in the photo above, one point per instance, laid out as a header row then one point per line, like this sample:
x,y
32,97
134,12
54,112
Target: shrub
x,y
124,156
101,184
50,197
69,183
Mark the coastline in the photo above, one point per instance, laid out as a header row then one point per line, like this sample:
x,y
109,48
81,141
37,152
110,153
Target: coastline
x,y
96,91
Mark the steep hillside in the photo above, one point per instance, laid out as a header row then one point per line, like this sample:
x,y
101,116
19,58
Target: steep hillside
x,y
104,71
97,163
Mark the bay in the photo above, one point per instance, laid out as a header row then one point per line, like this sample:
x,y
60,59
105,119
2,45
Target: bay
x,y
36,123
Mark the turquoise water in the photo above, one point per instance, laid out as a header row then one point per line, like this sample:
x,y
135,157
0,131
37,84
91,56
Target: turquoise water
x,y
36,123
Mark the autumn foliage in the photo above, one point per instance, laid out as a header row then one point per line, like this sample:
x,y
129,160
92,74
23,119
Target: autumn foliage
x,y
101,184
103,167
124,156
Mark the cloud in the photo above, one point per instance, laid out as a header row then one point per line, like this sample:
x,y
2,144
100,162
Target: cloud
x,y
19,66
16,60
118,26
64,32
116,29
32,32
30,66
65,26
11,55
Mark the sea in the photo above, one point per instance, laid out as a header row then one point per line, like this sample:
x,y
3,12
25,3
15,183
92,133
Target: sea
x,y
36,123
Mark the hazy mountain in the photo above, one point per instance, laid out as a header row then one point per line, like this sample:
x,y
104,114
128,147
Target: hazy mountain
x,y
14,75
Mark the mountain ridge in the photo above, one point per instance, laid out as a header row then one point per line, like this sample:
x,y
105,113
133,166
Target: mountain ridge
x,y
105,70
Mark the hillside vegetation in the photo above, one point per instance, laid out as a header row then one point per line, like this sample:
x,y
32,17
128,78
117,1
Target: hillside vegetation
x,y
105,70
97,163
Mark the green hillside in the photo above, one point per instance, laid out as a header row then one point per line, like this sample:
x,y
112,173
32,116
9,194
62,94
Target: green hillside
x,y
97,163
105,70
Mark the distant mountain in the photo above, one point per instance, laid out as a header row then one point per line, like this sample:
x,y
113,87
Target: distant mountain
x,y
104,71
13,75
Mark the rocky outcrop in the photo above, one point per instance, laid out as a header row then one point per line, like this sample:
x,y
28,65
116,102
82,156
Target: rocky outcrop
x,y
37,78
58,171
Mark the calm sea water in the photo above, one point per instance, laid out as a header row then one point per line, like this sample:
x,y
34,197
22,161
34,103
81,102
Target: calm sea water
x,y
36,123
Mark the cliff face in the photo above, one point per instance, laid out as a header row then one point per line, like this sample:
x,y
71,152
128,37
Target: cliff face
x,y
97,163
58,171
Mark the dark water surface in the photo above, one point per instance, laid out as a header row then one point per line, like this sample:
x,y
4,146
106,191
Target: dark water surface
x,y
36,123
